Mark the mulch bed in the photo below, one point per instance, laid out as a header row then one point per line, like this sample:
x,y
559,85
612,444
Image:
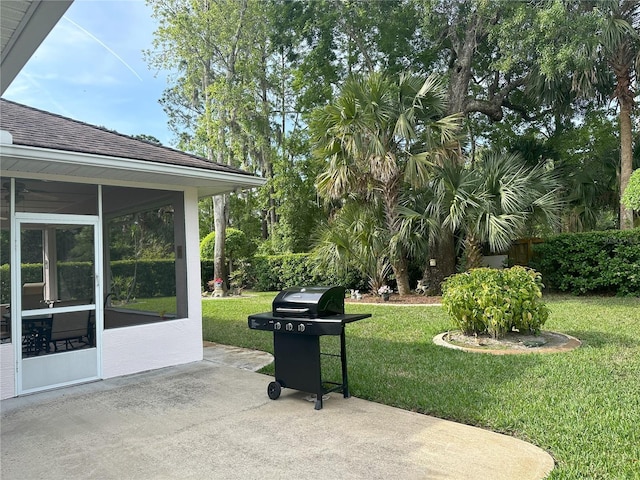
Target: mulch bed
x,y
396,299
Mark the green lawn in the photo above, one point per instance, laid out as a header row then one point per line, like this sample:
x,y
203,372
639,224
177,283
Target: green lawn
x,y
582,406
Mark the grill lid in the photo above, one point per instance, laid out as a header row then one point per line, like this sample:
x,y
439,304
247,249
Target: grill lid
x,y
309,302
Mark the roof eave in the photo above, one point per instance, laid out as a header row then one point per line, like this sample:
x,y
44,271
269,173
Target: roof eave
x,y
36,23
40,162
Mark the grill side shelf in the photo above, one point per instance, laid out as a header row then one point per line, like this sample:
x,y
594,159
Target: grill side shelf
x,y
261,321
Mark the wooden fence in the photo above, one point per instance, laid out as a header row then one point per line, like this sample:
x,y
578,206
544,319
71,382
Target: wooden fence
x,y
521,251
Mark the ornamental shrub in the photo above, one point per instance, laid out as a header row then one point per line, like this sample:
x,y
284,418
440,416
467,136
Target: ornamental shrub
x,y
592,262
236,245
631,196
492,301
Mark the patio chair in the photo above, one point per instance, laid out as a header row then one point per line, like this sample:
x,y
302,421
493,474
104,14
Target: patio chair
x,y
71,327
33,296
5,323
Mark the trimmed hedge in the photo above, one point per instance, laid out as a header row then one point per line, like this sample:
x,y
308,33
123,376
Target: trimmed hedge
x,y
269,273
154,278
31,273
592,262
76,278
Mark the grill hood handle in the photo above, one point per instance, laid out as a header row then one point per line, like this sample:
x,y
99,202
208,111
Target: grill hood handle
x,y
291,310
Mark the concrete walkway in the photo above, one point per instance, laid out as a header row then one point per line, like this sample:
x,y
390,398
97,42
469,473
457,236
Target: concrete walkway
x,y
212,420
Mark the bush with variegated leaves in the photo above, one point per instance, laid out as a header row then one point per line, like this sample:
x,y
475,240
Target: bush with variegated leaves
x,y
486,300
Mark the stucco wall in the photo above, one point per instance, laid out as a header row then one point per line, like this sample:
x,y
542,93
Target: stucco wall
x,y
147,347
7,371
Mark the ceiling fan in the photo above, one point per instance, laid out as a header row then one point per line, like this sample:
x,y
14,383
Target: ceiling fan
x,y
22,189
22,192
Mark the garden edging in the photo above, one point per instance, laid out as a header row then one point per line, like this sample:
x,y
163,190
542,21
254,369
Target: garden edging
x,y
567,343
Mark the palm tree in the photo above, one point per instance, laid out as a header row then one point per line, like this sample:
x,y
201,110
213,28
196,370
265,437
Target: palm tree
x,y
377,137
614,47
493,201
620,41
510,196
354,239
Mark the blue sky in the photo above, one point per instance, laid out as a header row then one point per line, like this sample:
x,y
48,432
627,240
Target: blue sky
x,y
91,68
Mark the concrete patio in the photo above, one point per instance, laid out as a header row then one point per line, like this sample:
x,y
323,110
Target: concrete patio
x,y
213,419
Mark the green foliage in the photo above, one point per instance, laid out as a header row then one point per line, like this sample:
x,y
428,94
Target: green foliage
x,y
31,272
380,136
585,156
325,40
148,138
591,262
5,251
493,301
295,198
242,214
144,278
631,196
236,245
147,278
496,199
275,272
355,239
72,275
148,234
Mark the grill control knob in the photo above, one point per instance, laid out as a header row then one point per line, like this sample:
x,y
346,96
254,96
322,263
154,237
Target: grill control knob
x,y
277,326
301,327
289,327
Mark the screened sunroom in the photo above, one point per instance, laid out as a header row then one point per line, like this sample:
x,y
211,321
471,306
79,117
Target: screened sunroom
x,y
99,259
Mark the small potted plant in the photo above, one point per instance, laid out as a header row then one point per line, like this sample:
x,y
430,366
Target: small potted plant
x,y
384,291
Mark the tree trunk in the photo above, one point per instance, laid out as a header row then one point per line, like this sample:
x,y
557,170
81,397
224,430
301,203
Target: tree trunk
x,y
460,71
473,252
626,161
401,272
443,252
398,259
219,264
264,224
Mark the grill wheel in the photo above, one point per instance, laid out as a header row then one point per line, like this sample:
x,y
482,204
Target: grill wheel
x,y
273,390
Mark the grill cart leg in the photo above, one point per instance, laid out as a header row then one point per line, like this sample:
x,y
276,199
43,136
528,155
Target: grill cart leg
x,y
343,359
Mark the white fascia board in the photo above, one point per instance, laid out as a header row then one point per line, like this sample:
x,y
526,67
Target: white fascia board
x,y
122,169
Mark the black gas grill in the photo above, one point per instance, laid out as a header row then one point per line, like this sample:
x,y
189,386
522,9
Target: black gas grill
x,y
298,318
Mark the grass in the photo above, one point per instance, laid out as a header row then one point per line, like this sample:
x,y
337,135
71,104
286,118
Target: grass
x,y
583,406
160,305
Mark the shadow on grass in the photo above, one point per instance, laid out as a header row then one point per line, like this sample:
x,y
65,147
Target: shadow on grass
x,y
429,379
596,339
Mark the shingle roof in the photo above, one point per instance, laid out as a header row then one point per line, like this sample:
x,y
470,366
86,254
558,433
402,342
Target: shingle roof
x,y
37,128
